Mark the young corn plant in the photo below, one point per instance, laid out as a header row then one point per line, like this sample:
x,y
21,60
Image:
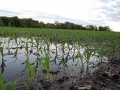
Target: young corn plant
x,y
64,66
37,43
46,65
114,50
26,49
3,63
8,42
13,84
101,52
88,54
81,66
47,43
1,51
31,74
3,85
15,38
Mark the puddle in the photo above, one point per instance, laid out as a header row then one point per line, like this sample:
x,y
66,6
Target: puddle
x,y
12,64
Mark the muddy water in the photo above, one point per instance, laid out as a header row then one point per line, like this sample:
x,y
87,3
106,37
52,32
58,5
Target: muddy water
x,y
12,64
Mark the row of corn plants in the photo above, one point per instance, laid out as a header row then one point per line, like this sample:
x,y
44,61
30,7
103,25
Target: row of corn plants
x,y
42,43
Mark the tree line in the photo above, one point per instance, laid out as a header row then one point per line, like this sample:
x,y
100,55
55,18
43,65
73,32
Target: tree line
x,y
30,23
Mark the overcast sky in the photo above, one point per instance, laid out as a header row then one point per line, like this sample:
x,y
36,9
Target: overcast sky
x,y
85,12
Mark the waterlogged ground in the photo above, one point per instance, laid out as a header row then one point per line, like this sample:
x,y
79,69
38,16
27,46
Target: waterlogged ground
x,y
68,61
13,62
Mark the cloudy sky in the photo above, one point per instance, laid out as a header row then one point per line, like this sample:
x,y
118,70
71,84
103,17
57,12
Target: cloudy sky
x,y
85,12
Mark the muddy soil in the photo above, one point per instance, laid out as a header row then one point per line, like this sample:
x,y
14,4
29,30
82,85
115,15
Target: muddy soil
x,y
106,77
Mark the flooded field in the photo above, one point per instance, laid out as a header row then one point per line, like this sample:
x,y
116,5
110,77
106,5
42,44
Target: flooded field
x,y
62,56
51,61
65,59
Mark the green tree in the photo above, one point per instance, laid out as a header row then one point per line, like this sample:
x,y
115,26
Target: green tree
x,y
78,27
1,23
5,20
23,23
16,21
67,25
91,27
41,24
30,23
36,24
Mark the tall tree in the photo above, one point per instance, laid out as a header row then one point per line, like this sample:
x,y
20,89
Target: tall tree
x,y
23,23
1,23
41,24
16,21
5,20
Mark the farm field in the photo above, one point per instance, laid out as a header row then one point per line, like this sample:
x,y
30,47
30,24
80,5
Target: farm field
x,y
59,59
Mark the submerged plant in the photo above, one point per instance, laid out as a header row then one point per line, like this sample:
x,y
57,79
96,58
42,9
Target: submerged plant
x,y
26,49
88,53
30,70
13,84
64,66
81,66
46,65
1,51
15,38
37,43
101,53
3,85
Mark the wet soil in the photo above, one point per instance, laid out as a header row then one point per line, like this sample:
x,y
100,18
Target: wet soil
x,y
106,77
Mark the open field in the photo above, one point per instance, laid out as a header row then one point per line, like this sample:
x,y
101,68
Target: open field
x,y
74,35
59,59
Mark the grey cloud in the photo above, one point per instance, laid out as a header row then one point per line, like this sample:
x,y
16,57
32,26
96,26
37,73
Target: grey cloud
x,y
106,1
115,16
112,12
109,12
40,15
8,13
108,9
116,5
58,18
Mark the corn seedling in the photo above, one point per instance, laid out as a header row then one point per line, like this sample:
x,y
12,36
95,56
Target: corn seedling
x,y
81,66
114,50
1,51
88,54
31,73
13,84
100,52
3,85
46,65
26,49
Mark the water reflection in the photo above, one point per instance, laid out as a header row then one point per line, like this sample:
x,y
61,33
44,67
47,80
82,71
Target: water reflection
x,y
12,63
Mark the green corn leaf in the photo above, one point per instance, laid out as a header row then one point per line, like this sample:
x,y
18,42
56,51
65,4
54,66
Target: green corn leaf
x,y
1,50
26,85
29,67
1,79
80,55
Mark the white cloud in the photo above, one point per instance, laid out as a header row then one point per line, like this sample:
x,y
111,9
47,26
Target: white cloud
x,y
114,25
83,10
